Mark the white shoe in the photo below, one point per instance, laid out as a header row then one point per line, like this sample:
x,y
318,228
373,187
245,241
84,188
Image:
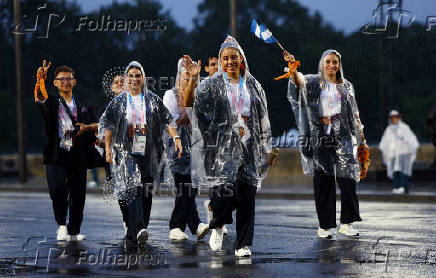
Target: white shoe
x,y
395,191
177,234
325,233
225,232
202,231
62,233
78,237
401,190
142,236
209,213
216,239
348,230
243,252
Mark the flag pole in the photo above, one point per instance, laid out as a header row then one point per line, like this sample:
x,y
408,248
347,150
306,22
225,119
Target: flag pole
x,y
280,45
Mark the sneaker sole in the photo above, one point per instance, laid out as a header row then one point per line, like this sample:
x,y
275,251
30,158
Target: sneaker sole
x,y
327,237
203,234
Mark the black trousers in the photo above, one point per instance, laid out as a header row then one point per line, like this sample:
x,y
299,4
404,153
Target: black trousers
x,y
137,212
67,189
240,196
185,208
325,200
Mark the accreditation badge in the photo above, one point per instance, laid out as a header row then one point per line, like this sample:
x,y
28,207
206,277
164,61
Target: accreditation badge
x,y
139,140
66,141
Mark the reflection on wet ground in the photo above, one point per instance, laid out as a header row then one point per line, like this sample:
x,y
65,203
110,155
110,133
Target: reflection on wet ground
x,y
396,239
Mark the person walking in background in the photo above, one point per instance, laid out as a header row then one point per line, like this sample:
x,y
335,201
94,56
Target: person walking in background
x,y
399,146
211,67
185,209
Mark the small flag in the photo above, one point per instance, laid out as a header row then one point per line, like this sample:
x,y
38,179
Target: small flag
x,y
262,32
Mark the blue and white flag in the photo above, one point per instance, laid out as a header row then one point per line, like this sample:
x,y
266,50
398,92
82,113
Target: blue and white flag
x,y
262,32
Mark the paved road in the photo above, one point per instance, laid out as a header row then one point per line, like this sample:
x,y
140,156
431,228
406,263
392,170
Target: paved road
x,y
397,240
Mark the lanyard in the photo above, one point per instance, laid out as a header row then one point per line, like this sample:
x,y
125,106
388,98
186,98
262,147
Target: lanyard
x,y
63,111
238,106
134,110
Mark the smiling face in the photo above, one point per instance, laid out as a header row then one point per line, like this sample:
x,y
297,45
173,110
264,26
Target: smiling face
x,y
331,64
135,80
65,82
231,60
117,85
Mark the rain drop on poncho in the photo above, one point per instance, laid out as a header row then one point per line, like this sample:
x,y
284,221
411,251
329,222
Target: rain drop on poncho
x,y
347,129
219,155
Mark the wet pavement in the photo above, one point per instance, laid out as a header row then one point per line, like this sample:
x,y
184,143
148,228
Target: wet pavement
x,y
397,240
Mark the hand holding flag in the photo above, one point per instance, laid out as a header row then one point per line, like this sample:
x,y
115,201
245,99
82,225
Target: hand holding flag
x,y
262,32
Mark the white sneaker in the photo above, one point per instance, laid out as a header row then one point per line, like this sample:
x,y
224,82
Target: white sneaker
x,y
216,239
202,231
225,232
62,233
177,234
325,233
78,237
209,213
142,236
348,230
395,191
401,190
243,252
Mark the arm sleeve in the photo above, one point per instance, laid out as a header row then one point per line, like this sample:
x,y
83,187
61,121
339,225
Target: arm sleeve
x,y
170,102
355,111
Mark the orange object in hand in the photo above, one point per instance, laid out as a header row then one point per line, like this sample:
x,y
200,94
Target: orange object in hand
x,y
364,161
40,86
292,69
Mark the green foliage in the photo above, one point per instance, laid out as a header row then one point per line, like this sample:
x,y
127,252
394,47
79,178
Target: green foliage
x,y
386,73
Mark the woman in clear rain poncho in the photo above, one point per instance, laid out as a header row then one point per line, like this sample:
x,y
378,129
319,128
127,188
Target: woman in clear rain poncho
x,y
399,146
134,122
185,208
330,129
230,142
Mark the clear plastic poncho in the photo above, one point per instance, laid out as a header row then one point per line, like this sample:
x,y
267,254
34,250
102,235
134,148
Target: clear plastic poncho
x,y
219,155
399,146
130,170
334,154
174,101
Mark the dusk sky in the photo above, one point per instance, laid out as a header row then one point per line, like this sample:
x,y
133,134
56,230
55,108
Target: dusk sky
x,y
345,15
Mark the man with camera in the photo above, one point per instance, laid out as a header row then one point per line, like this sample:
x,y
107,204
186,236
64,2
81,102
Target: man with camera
x,y
69,127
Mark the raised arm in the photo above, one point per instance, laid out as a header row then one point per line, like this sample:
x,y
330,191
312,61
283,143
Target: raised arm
x,y
194,71
41,75
296,77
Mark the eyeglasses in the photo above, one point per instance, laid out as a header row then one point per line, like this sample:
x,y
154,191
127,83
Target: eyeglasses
x,y
65,79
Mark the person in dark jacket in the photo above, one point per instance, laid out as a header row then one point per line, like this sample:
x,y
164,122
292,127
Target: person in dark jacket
x,y
69,127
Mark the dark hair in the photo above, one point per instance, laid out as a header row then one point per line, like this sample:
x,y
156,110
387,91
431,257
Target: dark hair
x,y
63,69
210,56
134,67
